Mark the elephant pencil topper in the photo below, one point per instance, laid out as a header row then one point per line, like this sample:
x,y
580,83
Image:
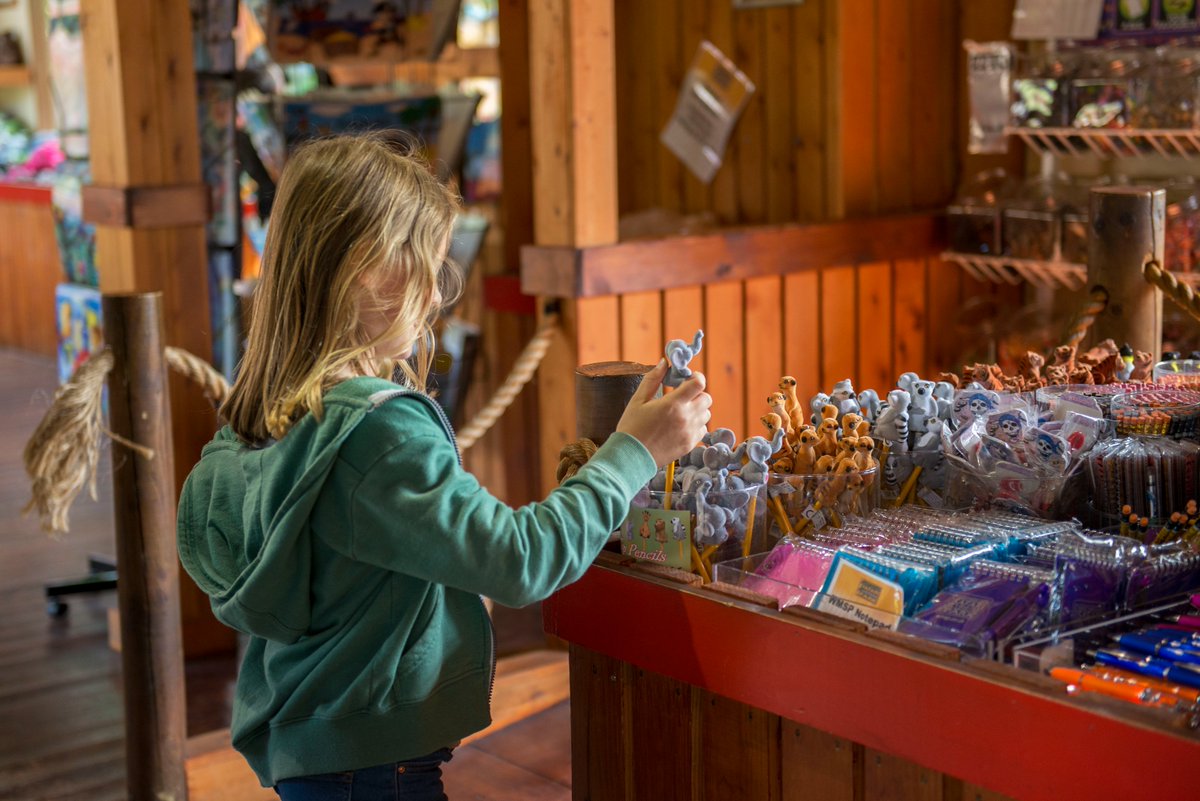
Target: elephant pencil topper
x,y
678,354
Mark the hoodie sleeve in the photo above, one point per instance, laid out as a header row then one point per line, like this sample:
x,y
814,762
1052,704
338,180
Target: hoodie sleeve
x,y
415,510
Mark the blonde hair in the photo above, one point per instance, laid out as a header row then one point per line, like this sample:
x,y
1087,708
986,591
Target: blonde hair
x,y
352,214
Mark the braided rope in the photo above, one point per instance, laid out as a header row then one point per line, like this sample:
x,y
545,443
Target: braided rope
x,y
211,382
573,456
1182,294
62,454
526,365
1097,302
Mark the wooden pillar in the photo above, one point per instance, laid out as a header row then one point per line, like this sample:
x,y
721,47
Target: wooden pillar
x,y
573,133
148,589
1127,231
149,204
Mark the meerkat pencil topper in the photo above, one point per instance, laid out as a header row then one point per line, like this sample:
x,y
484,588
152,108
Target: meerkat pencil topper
x,y
678,354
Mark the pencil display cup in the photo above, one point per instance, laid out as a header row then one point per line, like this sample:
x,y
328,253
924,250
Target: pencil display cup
x,y
793,572
804,503
1159,412
1184,373
709,529
911,477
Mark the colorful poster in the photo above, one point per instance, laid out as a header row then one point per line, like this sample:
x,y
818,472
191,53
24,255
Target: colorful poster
x,y
213,22
79,331
76,239
218,158
331,113
324,31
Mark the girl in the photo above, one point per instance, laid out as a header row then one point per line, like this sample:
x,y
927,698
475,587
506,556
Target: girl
x,y
331,519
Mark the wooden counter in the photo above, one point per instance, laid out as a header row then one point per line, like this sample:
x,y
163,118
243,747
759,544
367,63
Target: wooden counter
x,y
681,692
29,269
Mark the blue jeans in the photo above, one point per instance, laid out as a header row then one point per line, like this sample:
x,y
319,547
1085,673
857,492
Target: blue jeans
x,y
412,780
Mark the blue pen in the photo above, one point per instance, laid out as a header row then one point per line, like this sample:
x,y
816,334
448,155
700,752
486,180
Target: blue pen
x,y
1150,666
1167,649
1178,637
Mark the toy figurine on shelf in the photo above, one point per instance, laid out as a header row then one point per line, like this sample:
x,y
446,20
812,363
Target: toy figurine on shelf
x,y
679,354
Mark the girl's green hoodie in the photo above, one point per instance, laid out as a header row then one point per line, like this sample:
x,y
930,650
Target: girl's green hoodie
x,y
353,552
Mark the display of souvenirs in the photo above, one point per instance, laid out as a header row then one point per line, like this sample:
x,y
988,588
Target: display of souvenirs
x,y
78,324
64,46
76,239
321,31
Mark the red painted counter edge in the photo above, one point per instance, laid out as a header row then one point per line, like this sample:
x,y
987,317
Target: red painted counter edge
x,y
1024,743
24,193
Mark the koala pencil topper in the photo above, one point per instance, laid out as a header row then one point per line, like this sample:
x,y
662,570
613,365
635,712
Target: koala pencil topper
x,y
678,354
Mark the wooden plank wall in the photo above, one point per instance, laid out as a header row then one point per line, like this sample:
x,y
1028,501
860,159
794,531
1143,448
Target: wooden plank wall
x,y
857,113
29,271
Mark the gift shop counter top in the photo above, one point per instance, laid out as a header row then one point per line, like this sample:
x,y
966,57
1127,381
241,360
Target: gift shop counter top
x,y
30,269
676,686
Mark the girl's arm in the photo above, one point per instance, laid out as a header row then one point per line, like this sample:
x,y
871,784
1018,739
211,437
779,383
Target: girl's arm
x,y
415,510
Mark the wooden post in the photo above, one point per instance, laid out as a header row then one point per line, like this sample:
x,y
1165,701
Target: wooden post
x,y
602,391
149,205
1127,232
148,589
574,146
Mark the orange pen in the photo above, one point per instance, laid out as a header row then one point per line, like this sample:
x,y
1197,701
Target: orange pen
x,y
1188,694
1114,689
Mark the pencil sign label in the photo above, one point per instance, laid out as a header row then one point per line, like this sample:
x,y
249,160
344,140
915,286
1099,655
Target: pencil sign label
x,y
659,536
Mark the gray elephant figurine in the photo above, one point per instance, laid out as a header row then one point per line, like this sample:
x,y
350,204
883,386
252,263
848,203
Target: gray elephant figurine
x,y
678,354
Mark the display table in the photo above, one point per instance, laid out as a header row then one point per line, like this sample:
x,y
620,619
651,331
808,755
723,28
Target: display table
x,y
30,269
686,692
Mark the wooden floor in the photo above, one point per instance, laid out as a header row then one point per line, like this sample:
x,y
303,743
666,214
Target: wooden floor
x,y
61,718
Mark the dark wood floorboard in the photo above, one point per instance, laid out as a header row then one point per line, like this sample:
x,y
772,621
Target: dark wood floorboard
x,y
61,719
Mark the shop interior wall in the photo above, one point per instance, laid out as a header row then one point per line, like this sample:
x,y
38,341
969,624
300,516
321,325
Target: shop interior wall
x,y
859,111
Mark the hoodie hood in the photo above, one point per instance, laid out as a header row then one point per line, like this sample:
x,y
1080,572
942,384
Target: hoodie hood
x,y
243,525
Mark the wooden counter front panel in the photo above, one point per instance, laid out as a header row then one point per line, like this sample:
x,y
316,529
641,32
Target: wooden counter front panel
x,y
29,270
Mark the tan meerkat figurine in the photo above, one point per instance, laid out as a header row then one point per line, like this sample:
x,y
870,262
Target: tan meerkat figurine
x,y
795,411
864,455
827,439
847,447
772,422
777,403
850,424
806,452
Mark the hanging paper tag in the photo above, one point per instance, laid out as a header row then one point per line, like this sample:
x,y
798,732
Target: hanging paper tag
x,y
989,67
859,594
712,97
659,536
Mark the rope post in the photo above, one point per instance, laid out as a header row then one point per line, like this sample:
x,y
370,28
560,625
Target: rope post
x,y
602,391
148,587
1126,233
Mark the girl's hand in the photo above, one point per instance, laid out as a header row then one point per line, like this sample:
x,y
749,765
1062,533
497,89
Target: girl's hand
x,y
669,426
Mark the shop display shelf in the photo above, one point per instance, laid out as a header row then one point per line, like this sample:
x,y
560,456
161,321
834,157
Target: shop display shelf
x,y
1111,142
1006,270
1013,731
15,75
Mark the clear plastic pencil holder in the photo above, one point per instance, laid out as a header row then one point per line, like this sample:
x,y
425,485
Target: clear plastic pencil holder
x,y
803,504
714,519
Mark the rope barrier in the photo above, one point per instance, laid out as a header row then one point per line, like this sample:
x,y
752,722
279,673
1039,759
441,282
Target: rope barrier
x,y
526,365
62,454
1097,302
1182,294
211,382
573,456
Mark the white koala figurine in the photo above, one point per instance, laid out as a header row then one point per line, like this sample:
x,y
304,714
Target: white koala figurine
x,y
892,423
816,404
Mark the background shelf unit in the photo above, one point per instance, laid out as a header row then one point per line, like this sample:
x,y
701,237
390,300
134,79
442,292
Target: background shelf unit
x,y
1111,142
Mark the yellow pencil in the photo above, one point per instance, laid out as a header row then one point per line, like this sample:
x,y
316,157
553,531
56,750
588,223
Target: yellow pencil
x,y
749,526
670,486
782,517
698,564
909,486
